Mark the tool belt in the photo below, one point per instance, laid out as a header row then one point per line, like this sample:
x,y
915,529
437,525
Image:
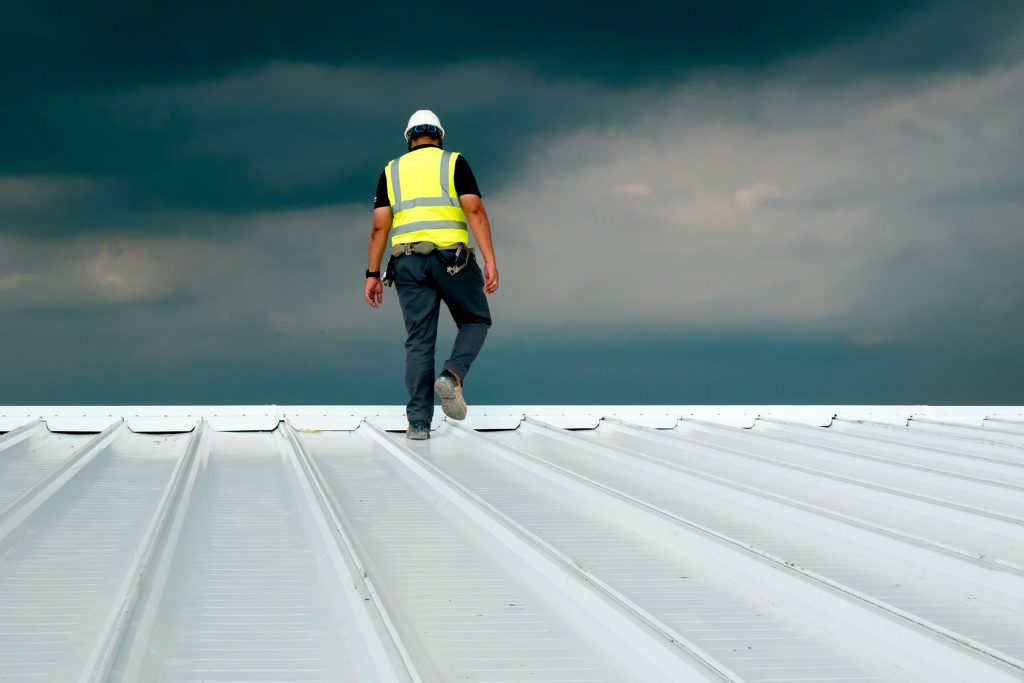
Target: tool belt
x,y
425,248
400,250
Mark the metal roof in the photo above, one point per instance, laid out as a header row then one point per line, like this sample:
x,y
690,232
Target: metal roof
x,y
533,543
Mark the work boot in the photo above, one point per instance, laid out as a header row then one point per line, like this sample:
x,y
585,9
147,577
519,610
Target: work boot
x,y
418,430
449,388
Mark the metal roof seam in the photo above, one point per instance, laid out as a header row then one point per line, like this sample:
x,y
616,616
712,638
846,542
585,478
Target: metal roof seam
x,y
852,481
858,430
165,545
374,616
805,436
874,606
956,439
819,444
959,431
104,652
818,510
1015,427
24,505
21,433
649,641
927,544
669,632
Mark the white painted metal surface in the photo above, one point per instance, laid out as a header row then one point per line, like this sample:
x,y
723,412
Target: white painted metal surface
x,y
558,543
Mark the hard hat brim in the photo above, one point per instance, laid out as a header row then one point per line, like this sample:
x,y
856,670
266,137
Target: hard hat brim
x,y
407,138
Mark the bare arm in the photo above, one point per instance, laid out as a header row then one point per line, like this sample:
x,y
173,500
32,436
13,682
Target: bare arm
x,y
476,214
374,292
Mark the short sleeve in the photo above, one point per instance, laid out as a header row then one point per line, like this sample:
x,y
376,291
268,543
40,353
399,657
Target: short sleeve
x,y
381,198
465,181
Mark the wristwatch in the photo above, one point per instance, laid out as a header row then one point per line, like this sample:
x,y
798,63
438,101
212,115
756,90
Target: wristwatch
x,y
373,273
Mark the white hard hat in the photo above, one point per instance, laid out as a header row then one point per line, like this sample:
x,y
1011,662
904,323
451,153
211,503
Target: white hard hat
x,y
423,117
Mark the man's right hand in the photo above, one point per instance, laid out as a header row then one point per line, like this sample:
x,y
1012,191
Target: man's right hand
x,y
490,277
374,292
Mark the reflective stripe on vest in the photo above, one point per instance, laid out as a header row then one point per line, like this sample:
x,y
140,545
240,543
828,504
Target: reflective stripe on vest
x,y
424,205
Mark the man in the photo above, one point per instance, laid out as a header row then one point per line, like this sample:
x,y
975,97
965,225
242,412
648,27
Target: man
x,y
428,198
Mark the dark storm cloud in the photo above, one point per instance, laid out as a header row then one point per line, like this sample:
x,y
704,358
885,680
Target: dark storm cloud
x,y
201,107
110,43
285,136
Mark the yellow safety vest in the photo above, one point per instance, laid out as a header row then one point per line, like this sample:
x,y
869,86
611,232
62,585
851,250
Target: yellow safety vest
x,y
421,189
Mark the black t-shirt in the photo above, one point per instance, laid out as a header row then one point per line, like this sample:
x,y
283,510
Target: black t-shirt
x,y
465,182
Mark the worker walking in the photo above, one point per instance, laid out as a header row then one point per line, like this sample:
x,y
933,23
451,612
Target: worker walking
x,y
429,201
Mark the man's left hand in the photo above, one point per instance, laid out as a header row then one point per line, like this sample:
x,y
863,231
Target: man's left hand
x,y
490,277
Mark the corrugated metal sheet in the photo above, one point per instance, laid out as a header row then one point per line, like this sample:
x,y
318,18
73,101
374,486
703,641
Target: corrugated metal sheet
x,y
544,543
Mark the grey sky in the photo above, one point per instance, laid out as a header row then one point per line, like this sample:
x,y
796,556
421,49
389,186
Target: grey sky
x,y
717,202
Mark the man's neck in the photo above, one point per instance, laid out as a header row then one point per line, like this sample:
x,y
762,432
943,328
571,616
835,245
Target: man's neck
x,y
423,142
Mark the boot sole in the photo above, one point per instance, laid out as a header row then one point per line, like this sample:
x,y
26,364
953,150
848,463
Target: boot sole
x,y
451,402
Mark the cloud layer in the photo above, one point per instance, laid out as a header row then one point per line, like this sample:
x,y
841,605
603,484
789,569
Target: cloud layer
x,y
204,225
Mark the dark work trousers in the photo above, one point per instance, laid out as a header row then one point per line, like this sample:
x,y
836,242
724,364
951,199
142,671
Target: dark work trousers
x,y
423,283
